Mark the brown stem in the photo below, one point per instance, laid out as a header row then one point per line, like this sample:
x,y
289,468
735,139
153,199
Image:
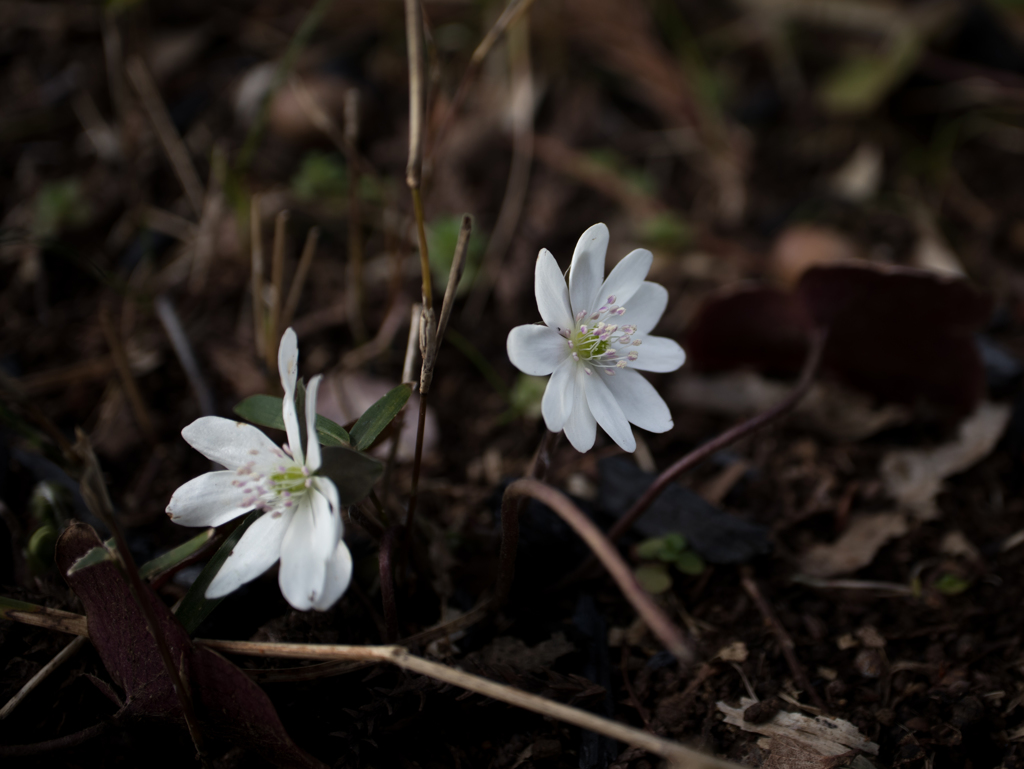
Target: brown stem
x,y
387,581
784,639
60,743
730,436
417,461
659,623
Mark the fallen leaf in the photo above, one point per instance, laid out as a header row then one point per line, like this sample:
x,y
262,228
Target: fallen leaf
x,y
826,736
802,246
715,535
913,477
856,548
860,177
828,409
228,704
898,333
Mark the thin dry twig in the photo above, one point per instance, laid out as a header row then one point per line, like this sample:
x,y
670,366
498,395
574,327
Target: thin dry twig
x,y
388,547
512,13
182,347
277,287
213,211
124,372
62,656
175,149
354,290
414,43
783,637
299,280
400,657
256,244
659,623
518,182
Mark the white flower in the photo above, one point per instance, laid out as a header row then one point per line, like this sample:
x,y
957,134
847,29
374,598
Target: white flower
x,y
301,524
593,343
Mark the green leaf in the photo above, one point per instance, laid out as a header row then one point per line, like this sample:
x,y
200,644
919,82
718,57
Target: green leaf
x,y
649,549
951,584
175,556
195,606
99,554
8,605
442,235
353,472
653,577
265,410
690,563
667,548
379,416
674,546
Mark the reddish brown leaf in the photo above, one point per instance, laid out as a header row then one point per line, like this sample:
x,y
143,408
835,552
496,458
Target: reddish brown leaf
x,y
229,705
898,333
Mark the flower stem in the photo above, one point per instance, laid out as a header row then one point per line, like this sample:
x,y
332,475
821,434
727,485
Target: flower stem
x,y
659,623
388,546
810,369
539,466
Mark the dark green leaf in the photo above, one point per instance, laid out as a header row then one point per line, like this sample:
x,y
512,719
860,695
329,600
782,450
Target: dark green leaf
x,y
99,554
379,416
265,410
195,606
175,556
353,472
690,563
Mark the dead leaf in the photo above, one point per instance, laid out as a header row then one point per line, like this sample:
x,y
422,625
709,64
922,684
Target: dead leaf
x,y
802,246
228,704
913,477
826,736
856,548
860,177
898,333
734,652
828,409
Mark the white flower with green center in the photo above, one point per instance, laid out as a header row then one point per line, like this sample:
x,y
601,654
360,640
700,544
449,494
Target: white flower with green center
x,y
594,341
301,523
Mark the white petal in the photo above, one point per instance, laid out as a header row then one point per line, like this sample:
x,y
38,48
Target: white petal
x,y
288,361
628,275
230,443
558,396
639,401
607,411
326,487
337,578
310,540
659,354
586,273
288,366
645,308
209,500
551,292
580,428
254,553
313,443
536,350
